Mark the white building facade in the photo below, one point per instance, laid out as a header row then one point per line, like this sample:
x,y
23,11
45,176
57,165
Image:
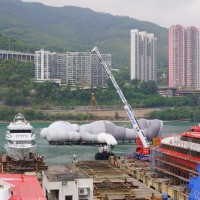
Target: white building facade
x,y
67,186
43,64
79,68
143,56
74,68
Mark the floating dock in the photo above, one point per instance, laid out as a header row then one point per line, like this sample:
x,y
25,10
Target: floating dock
x,y
33,164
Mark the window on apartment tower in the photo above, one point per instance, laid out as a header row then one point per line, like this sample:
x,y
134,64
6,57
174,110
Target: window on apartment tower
x,y
68,197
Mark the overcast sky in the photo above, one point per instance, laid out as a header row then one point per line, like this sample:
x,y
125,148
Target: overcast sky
x,y
162,12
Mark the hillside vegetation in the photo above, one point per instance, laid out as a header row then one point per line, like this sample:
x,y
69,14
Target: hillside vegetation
x,y
74,29
18,92
32,26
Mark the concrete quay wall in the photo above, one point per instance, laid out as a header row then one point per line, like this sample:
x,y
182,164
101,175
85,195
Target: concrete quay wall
x,y
141,172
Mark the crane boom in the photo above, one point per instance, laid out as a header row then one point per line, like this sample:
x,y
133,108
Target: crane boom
x,y
127,107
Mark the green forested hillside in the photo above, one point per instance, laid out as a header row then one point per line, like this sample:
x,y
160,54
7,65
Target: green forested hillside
x,y
17,88
32,26
18,92
75,29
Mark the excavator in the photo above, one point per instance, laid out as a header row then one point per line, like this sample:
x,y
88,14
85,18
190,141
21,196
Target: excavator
x,y
143,147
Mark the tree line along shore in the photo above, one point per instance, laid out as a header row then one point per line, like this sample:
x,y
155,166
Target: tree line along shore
x,y
165,114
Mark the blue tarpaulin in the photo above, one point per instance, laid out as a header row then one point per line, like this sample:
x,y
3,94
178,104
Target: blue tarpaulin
x,y
194,186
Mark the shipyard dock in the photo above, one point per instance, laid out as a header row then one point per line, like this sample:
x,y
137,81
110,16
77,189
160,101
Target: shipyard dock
x,y
113,179
95,180
34,164
112,182
142,172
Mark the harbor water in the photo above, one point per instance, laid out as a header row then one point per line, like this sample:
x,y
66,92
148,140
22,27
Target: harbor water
x,y
54,154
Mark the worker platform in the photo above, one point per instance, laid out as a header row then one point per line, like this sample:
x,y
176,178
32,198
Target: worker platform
x,y
34,164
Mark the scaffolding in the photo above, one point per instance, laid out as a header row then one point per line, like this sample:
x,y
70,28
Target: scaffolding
x,y
93,104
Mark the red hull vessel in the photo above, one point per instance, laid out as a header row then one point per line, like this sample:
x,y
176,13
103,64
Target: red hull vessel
x,y
178,156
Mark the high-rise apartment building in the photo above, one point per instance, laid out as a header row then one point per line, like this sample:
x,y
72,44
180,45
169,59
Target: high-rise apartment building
x,y
43,65
59,66
184,64
84,69
192,58
99,75
79,68
74,68
143,55
177,56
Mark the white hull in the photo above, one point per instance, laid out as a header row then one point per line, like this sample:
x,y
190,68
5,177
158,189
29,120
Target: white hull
x,y
177,142
20,139
19,153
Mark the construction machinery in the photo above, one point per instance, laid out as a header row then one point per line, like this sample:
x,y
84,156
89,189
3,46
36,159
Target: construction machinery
x,y
93,103
143,148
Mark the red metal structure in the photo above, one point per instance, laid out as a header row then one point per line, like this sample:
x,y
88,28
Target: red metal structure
x,y
23,187
178,156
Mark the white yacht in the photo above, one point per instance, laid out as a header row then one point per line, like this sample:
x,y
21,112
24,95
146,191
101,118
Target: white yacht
x,y
20,139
